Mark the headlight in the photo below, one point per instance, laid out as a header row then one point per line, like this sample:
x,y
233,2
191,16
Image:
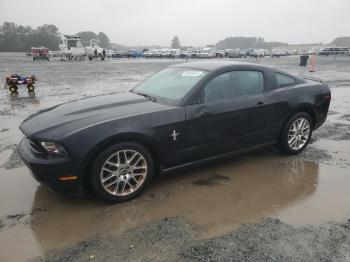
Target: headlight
x,y
54,148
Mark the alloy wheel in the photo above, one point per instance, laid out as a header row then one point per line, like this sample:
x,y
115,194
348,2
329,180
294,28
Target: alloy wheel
x,y
299,133
123,172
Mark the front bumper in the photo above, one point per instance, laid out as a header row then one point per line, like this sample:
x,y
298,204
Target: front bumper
x,y
50,171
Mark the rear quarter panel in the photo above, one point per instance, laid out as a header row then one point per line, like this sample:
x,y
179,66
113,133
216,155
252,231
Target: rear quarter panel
x,y
285,101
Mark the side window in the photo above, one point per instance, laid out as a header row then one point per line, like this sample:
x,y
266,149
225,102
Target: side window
x,y
234,84
284,80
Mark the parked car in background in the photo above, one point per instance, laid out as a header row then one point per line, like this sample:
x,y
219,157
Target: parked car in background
x,y
207,52
186,54
40,53
157,53
110,52
220,53
134,54
277,53
195,53
334,51
267,52
186,114
233,53
253,52
249,52
173,53
72,48
147,54
258,52
244,52
54,53
120,54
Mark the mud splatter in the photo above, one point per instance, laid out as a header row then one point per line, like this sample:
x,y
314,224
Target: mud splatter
x,y
339,82
334,131
212,180
5,112
14,161
331,112
345,117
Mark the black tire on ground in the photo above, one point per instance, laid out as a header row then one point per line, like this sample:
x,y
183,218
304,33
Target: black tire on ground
x,y
283,144
95,173
13,88
30,88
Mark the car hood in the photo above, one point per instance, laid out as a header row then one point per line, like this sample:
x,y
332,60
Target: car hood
x,y
72,116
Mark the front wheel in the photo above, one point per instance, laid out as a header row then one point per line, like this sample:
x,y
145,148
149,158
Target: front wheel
x,y
296,134
30,88
13,88
122,171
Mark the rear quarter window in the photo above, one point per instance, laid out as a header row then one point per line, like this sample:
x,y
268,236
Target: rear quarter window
x,y
284,80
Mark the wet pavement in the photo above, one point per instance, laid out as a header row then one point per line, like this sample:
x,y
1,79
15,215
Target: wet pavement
x,y
311,188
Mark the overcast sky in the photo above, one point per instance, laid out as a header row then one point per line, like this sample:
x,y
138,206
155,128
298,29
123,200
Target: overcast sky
x,y
196,22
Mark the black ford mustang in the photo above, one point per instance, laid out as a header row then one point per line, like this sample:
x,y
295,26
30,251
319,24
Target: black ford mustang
x,y
183,115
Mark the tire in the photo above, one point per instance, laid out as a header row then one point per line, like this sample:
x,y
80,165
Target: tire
x,y
293,142
119,184
13,89
30,88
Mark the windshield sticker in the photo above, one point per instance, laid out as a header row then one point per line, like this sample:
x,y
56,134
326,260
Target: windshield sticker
x,y
192,73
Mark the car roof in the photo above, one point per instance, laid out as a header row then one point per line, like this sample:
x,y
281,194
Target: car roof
x,y
215,65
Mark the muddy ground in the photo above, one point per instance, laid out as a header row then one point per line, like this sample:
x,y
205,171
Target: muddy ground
x,y
257,207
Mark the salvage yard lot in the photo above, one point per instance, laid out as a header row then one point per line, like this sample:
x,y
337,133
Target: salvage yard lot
x,y
255,206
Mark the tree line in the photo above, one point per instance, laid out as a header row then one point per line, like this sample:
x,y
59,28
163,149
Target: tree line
x,y
19,38
342,41
246,42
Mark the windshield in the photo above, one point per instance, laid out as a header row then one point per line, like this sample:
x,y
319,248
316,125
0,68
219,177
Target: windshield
x,y
170,84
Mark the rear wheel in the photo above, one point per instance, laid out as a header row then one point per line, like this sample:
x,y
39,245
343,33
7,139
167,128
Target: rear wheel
x,y
30,88
13,88
122,171
296,134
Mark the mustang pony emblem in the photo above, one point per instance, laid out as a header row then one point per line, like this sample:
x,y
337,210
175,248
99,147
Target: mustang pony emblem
x,y
174,135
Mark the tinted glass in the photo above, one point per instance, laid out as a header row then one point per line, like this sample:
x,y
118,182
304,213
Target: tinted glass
x,y
284,80
234,84
72,43
171,83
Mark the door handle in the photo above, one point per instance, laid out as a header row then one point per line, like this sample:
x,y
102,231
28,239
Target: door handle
x,y
260,103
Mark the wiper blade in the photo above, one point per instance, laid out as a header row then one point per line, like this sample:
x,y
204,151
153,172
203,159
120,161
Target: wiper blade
x,y
153,99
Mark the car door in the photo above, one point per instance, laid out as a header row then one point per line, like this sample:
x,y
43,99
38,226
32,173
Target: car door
x,y
231,114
